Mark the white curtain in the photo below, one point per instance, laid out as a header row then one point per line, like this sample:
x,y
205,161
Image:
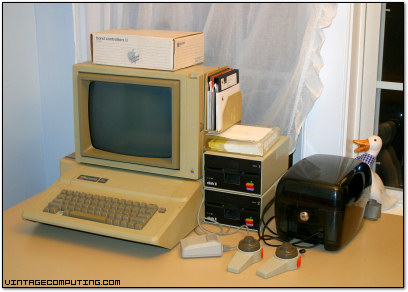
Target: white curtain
x,y
276,47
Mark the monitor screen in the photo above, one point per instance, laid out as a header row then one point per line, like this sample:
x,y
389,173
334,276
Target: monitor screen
x,y
131,119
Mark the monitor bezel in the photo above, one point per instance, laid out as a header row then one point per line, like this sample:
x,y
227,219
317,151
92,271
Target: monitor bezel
x,y
192,104
86,147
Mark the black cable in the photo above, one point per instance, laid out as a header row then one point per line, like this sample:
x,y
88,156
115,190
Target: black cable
x,y
270,237
266,237
267,207
304,239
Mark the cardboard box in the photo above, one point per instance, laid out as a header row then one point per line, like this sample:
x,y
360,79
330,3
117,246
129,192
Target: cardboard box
x,y
150,49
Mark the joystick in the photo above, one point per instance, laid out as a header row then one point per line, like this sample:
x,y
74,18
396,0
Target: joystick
x,y
249,252
287,258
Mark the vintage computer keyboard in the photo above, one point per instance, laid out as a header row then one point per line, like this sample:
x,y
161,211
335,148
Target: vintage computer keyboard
x,y
103,209
138,207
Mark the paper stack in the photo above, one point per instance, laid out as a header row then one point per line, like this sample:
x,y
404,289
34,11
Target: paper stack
x,y
243,139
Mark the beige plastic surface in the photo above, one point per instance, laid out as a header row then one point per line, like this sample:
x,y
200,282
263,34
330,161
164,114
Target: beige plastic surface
x,y
181,198
242,260
276,266
232,113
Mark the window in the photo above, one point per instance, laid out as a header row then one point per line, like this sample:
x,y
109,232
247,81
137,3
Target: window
x,y
389,117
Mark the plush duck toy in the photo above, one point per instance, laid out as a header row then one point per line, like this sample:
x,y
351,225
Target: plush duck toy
x,y
371,147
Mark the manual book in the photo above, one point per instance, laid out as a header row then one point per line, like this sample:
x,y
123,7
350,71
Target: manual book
x,y
243,139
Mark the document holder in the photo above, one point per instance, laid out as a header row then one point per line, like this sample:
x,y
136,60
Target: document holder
x,y
230,111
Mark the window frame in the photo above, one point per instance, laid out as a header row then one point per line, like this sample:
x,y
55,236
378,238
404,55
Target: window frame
x,y
365,75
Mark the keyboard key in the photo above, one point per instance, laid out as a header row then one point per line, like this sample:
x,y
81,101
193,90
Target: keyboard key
x,y
140,220
102,209
152,207
144,216
149,212
86,216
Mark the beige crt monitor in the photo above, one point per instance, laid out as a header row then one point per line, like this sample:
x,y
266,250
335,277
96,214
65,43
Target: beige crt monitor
x,y
168,130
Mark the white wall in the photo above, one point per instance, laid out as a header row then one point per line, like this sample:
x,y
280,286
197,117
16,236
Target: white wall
x,y
56,55
23,155
38,53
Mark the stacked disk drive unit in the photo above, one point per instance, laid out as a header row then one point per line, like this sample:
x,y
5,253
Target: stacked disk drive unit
x,y
237,187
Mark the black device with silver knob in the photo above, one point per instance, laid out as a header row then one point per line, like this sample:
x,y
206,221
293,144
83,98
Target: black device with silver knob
x,y
321,199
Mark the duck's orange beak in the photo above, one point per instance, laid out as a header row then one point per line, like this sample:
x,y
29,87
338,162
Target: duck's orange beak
x,y
364,145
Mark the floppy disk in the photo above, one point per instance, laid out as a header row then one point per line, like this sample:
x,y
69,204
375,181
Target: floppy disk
x,y
226,79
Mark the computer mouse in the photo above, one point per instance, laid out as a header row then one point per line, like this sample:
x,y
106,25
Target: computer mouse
x,y
206,245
